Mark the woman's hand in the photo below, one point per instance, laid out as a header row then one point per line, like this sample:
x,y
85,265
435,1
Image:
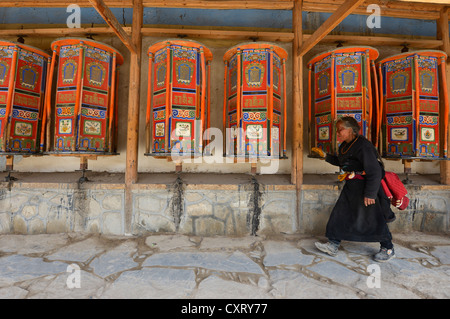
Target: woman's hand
x,y
318,152
368,201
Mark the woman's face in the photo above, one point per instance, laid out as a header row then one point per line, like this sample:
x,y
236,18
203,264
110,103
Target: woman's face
x,y
344,133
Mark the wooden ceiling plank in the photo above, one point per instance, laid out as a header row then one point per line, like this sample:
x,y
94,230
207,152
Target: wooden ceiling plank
x,y
62,3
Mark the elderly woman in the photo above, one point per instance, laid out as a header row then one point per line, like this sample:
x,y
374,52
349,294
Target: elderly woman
x,y
362,209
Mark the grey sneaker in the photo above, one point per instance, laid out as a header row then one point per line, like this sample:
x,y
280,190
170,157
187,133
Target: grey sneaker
x,y
384,255
328,248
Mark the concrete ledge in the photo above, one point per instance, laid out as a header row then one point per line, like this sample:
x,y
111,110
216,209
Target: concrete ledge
x,y
104,180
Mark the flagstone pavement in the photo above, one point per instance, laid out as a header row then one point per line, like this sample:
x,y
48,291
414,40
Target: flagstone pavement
x,y
86,266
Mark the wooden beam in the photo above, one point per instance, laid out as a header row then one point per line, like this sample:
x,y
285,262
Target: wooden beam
x,y
63,3
194,4
274,36
59,32
220,34
297,108
444,34
412,10
297,98
220,4
427,1
340,14
111,20
133,96
131,168
443,30
380,40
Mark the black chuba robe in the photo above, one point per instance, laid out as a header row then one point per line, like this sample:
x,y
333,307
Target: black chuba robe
x,y
350,219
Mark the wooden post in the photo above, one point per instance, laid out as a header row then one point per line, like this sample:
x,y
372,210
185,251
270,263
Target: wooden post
x,y
407,170
133,96
83,163
131,175
9,163
444,34
253,167
297,104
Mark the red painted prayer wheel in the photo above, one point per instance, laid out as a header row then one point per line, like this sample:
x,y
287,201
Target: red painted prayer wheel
x,y
414,105
341,84
85,114
23,78
255,100
178,101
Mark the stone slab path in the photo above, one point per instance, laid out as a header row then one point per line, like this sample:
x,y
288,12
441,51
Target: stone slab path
x,y
86,266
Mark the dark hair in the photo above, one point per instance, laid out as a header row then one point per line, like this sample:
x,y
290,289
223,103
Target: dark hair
x,y
350,122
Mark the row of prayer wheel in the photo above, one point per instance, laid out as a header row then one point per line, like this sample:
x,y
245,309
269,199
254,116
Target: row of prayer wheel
x,y
178,105
85,112
401,102
178,102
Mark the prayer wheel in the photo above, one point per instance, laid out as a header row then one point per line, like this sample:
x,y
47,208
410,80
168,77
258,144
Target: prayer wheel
x,y
254,112
23,78
85,114
413,112
341,84
178,100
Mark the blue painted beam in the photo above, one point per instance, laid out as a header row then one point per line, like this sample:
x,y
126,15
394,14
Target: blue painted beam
x,y
276,19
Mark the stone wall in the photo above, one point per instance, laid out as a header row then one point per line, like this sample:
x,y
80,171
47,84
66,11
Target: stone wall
x,y
29,210
204,210
214,211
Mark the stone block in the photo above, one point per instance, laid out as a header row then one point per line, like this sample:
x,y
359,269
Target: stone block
x,y
5,223
57,226
92,226
208,226
151,203
95,208
202,208
191,196
113,202
112,223
276,224
19,225
222,211
43,208
314,218
152,223
36,226
28,212
433,222
16,202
